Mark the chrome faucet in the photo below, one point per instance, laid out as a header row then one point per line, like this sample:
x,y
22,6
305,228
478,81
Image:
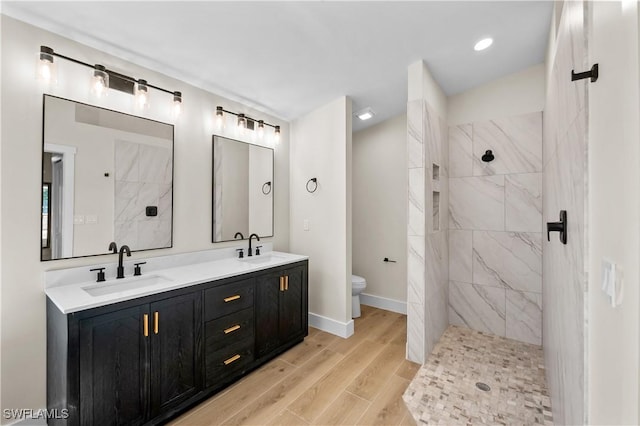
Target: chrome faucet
x,y
250,252
123,249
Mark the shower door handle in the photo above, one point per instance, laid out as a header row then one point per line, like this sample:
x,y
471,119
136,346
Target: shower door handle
x,y
560,227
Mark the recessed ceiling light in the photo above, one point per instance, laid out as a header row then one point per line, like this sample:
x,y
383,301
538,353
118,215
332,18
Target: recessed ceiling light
x,y
365,114
483,44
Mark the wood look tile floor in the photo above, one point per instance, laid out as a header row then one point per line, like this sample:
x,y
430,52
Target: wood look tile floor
x,y
325,380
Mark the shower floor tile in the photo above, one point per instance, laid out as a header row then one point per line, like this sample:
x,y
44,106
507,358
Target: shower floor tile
x,y
444,390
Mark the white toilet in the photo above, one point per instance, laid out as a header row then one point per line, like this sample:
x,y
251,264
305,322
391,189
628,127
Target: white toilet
x,y
358,284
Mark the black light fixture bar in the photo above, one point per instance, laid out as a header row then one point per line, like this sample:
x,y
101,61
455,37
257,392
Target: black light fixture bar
x,y
49,51
248,118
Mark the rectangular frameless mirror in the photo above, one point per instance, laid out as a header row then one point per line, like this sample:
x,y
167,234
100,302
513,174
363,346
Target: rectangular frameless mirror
x,y
106,176
242,189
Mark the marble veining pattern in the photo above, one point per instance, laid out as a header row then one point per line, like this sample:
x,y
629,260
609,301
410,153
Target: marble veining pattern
x,y
460,151
523,202
515,141
565,183
476,203
478,307
524,316
415,141
444,390
460,255
143,178
416,201
508,259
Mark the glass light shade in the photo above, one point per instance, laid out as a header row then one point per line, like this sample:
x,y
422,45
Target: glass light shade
x,y
260,130
242,121
219,118
142,94
46,69
177,104
100,81
276,135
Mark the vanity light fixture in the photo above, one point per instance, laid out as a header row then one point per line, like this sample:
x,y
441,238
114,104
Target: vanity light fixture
x,y
365,114
276,135
46,67
177,104
260,129
483,44
245,122
103,79
242,122
142,93
100,81
219,117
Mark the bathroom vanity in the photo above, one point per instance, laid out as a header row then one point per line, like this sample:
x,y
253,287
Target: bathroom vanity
x,y
147,352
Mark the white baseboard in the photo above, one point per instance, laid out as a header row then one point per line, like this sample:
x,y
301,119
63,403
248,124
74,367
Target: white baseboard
x,y
341,329
384,303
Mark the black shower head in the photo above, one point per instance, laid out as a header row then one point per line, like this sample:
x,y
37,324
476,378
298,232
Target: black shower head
x,y
488,156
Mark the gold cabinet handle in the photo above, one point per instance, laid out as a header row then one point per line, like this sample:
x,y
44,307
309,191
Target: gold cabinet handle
x,y
145,325
232,359
232,329
231,298
281,283
156,321
286,282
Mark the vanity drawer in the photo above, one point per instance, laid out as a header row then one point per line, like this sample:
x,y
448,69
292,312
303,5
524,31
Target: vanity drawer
x,y
228,360
229,329
227,299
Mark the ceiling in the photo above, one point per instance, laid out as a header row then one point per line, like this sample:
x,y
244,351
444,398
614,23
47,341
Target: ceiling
x,y
288,58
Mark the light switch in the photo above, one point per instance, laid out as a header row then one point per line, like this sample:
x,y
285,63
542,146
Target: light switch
x,y
78,219
305,224
612,284
91,219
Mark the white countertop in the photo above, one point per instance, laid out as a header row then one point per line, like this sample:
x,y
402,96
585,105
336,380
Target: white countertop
x,y
73,297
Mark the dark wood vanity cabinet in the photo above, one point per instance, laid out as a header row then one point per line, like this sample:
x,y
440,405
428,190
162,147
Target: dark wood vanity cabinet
x,y
281,315
146,360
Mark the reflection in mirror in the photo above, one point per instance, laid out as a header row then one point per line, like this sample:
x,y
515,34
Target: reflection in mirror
x,y
242,189
101,170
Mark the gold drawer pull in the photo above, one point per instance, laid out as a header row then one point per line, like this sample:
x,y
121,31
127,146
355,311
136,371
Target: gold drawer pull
x,y
231,298
232,359
232,329
145,325
156,321
281,283
286,282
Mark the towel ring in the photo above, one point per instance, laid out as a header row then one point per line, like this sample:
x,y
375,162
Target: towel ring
x,y
268,190
315,185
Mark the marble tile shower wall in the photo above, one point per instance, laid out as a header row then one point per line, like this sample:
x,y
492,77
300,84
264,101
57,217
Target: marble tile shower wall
x,y
495,227
565,186
427,236
143,177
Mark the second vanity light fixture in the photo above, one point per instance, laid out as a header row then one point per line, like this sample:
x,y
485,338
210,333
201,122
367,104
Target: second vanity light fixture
x,y
104,79
246,122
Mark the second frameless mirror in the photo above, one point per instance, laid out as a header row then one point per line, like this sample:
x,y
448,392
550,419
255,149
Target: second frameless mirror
x,y
242,189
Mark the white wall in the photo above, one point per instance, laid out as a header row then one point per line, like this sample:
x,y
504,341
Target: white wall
x,y
515,94
614,212
22,317
380,207
321,148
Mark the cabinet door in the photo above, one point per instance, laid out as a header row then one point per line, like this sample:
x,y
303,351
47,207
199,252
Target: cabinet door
x,y
267,312
114,357
293,311
176,363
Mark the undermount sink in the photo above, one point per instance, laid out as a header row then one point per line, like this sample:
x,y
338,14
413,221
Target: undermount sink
x,y
262,258
115,286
